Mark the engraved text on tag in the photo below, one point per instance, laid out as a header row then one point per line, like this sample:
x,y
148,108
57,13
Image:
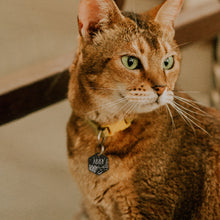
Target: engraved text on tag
x,y
98,164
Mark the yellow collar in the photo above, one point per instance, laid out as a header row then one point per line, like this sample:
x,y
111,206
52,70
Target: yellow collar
x,y
111,129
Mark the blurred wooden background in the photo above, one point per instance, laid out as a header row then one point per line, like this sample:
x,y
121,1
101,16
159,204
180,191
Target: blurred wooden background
x,y
38,42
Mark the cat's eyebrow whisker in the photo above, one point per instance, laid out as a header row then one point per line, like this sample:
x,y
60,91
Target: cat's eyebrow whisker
x,y
183,44
188,102
171,116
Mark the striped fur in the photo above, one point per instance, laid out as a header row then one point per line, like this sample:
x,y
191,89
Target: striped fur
x,y
166,165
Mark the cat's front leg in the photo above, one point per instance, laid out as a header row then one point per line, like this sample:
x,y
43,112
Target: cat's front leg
x,y
121,203
94,212
113,207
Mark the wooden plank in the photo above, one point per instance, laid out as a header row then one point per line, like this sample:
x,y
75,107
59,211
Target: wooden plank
x,y
200,23
120,3
35,88
32,97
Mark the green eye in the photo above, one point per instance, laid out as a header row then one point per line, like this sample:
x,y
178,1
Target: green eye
x,y
130,62
168,63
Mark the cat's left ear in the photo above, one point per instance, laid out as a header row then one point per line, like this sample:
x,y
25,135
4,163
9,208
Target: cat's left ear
x,y
167,12
95,15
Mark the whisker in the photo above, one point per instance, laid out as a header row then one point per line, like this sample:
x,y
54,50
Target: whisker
x,y
111,104
180,114
122,109
171,116
131,105
189,109
184,91
184,44
185,119
198,126
189,102
184,113
135,106
103,106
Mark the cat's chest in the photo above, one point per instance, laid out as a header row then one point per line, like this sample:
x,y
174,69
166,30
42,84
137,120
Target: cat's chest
x,y
91,184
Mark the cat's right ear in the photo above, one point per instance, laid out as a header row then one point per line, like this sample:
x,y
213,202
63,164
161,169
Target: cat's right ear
x,y
165,14
95,15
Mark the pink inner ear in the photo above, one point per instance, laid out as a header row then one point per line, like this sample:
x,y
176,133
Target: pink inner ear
x,y
169,11
89,12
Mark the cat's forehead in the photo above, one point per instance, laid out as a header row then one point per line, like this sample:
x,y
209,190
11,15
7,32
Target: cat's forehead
x,y
141,22
145,29
137,33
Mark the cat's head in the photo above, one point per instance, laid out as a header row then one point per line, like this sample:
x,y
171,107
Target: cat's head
x,y
127,63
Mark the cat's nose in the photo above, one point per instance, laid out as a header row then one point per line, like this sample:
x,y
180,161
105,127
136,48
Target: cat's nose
x,y
159,89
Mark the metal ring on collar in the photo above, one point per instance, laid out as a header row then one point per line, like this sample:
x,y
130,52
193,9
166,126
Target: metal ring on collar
x,y
101,138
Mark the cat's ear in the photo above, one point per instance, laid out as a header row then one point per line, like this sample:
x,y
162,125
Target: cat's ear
x,y
95,15
166,13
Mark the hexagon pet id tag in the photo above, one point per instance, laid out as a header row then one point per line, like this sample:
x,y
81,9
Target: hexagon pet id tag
x,y
99,163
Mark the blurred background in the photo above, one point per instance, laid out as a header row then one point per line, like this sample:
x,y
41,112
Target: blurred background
x,y
34,177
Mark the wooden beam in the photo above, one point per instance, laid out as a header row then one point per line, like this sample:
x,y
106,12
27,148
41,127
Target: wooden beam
x,y
37,87
200,23
120,3
34,88
32,97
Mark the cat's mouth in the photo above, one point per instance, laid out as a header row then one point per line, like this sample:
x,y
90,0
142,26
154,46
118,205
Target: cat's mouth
x,y
142,98
147,101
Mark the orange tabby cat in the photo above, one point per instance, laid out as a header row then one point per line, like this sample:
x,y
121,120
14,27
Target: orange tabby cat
x,y
137,148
